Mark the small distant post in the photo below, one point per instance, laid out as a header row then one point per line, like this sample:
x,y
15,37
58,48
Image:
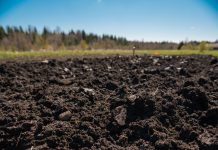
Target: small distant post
x,y
133,50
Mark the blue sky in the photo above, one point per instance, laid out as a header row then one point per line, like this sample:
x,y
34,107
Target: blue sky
x,y
148,20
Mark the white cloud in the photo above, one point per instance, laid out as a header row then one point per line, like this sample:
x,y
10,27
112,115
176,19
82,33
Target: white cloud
x,y
192,27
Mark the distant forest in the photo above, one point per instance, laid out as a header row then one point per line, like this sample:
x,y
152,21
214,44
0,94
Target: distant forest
x,y
19,39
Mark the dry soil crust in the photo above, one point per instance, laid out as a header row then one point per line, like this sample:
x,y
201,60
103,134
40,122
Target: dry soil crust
x,y
166,102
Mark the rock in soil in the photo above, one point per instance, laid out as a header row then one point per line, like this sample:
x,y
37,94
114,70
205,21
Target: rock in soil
x,y
65,116
120,115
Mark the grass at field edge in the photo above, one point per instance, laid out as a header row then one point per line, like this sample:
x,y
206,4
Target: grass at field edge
x,y
60,53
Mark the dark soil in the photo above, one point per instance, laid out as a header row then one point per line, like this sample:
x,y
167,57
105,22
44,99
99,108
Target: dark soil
x,y
120,102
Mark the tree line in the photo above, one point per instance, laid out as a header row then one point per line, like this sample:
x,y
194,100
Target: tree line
x,y
20,39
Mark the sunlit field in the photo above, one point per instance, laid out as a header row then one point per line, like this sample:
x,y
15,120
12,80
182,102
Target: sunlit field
x,y
61,53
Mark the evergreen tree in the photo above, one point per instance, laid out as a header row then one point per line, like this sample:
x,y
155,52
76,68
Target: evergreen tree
x,y
181,44
2,33
45,37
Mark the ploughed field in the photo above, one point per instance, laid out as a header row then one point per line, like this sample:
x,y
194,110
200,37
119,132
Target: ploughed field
x,y
117,102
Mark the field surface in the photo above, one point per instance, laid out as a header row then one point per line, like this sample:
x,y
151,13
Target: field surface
x,y
116,102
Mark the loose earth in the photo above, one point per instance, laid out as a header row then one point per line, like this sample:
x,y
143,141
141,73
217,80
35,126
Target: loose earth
x,y
117,102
